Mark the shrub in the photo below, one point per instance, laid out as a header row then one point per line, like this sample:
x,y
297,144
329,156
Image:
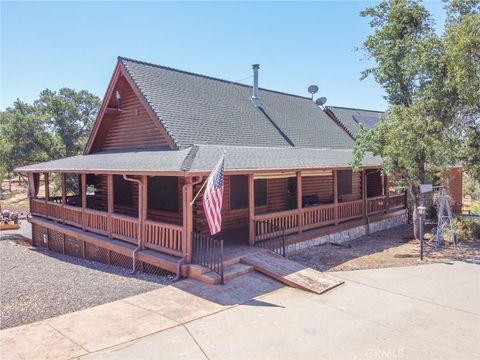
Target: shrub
x,y
467,228
475,209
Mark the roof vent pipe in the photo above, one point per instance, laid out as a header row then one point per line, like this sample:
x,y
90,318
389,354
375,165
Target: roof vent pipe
x,y
255,68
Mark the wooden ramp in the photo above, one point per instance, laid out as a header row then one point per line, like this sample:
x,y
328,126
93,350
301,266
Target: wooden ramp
x,y
291,273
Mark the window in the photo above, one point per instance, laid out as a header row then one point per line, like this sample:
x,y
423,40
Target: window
x,y
122,191
239,192
344,182
163,193
260,187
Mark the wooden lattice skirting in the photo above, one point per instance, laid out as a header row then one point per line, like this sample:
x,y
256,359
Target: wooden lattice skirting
x,y
64,244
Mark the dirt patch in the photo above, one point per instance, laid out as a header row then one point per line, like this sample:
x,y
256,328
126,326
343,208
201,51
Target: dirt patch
x,y
17,200
389,248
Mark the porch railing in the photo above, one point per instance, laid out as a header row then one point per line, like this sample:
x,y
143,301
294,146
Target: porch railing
x,y
96,221
396,200
54,210
208,252
270,236
316,216
125,228
287,220
350,210
38,206
163,237
72,215
376,204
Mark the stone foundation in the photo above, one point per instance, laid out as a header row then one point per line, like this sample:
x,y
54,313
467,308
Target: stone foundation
x,y
350,234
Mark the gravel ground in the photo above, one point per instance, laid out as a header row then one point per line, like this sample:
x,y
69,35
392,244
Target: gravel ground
x,y
37,284
388,248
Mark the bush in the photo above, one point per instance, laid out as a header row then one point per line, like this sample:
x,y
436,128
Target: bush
x,y
475,209
467,228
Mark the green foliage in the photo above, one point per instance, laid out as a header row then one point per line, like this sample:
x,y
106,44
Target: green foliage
x,y
475,209
468,229
70,115
432,84
54,126
471,186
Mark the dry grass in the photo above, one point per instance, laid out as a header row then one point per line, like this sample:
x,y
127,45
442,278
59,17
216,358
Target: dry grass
x,y
17,200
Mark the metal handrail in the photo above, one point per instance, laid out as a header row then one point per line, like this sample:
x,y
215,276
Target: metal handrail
x,y
273,239
208,252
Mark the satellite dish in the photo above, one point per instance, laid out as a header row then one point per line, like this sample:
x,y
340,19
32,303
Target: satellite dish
x,y
321,101
312,89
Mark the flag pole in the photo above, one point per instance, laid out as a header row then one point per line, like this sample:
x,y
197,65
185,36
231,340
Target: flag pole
x,y
205,183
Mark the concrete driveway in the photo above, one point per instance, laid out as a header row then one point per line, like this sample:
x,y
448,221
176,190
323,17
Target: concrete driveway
x,y
420,312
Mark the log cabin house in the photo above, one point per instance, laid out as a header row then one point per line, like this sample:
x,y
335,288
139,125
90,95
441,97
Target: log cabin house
x,y
127,200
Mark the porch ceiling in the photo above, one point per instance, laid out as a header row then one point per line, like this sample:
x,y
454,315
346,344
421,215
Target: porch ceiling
x,y
201,159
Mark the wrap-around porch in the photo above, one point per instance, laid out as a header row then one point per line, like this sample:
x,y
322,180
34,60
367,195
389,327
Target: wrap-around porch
x,y
154,212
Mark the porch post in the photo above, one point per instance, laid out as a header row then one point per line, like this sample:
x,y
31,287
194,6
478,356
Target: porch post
x,y
364,193
335,195
187,220
83,187
110,202
251,209
299,201
47,193
143,214
386,193
64,194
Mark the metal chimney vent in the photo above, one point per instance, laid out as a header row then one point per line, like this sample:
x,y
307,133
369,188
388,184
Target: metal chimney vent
x,y
255,99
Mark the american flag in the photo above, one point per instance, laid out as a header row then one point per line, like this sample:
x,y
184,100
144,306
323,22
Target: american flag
x,y
213,198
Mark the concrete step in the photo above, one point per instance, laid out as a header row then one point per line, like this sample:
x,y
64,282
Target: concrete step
x,y
230,272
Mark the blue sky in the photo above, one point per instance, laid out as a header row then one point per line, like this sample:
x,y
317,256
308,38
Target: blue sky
x,y
75,44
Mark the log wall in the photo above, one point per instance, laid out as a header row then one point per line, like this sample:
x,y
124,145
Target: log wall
x,y
133,127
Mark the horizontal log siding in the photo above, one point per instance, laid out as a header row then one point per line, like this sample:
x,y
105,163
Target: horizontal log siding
x,y
99,201
320,186
234,219
132,127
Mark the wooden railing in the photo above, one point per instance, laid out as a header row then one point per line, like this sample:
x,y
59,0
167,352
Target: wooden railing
x,y
38,206
163,237
72,215
54,210
376,204
269,236
96,221
316,216
396,200
350,210
287,220
125,228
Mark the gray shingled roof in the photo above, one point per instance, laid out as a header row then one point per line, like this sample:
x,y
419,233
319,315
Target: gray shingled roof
x,y
197,109
118,161
351,118
245,157
201,158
